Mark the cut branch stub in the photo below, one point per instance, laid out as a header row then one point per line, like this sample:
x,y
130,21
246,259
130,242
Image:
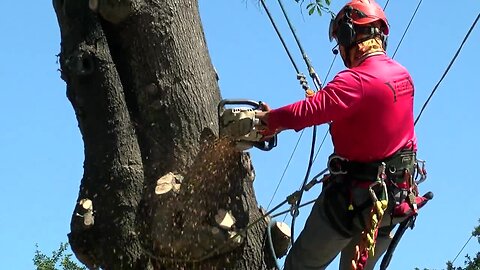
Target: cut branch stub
x,y
87,204
168,182
236,239
281,238
87,212
225,219
93,5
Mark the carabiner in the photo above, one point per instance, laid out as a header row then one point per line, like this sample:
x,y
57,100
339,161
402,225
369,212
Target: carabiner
x,y
420,171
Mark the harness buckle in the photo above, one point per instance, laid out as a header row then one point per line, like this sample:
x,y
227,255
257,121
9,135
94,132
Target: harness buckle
x,y
336,165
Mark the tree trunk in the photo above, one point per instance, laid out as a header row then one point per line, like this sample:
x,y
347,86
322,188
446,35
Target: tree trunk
x,y
160,190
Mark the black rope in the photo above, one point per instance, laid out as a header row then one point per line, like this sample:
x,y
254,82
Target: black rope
x,y
386,4
318,86
270,243
320,146
280,36
408,26
241,233
311,70
403,226
316,81
466,243
448,68
285,170
287,211
305,179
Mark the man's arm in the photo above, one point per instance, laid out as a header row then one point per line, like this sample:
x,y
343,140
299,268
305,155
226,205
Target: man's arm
x,y
337,100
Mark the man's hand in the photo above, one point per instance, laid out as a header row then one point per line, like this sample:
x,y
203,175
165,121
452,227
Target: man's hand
x,y
262,115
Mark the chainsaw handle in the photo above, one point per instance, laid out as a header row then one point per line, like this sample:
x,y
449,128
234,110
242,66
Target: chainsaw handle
x,y
223,102
267,145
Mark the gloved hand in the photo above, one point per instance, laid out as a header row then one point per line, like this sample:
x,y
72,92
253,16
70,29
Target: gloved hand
x,y
262,115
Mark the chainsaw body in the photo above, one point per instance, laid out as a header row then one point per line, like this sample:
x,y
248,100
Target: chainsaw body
x,y
240,124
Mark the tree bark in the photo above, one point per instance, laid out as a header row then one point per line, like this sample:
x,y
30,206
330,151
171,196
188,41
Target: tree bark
x,y
160,190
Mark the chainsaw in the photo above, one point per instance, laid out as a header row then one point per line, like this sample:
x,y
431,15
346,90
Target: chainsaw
x,y
240,124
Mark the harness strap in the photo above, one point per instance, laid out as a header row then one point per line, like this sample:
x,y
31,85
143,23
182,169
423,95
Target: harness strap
x,y
395,164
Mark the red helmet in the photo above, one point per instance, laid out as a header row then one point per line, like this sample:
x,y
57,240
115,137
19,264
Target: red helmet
x,y
359,12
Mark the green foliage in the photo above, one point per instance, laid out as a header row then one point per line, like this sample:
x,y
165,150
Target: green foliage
x,y
470,264
476,232
59,258
318,6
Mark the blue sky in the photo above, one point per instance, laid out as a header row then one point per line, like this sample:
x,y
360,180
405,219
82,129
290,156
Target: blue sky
x,y
42,152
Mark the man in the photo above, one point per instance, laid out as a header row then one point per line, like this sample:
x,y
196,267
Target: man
x,y
370,110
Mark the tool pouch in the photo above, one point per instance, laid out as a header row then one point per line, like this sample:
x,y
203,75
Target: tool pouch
x,y
402,188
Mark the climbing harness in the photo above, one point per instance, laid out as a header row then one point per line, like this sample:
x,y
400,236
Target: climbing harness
x,y
394,185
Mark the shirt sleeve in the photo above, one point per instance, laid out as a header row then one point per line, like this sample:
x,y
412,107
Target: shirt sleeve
x,y
337,100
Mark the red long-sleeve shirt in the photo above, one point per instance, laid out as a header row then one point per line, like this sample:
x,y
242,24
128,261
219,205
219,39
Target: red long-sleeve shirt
x,y
370,108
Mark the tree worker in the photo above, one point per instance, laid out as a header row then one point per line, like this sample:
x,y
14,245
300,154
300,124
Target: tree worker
x,y
370,110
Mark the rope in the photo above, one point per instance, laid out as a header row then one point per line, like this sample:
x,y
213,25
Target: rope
x,y
270,243
470,238
406,29
305,179
321,144
318,86
288,211
448,68
311,70
280,36
285,170
240,233
316,81
262,217
386,4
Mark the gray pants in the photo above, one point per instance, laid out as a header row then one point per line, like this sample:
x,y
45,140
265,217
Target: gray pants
x,y
320,242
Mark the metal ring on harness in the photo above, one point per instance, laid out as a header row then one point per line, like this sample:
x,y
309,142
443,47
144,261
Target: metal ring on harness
x,y
336,165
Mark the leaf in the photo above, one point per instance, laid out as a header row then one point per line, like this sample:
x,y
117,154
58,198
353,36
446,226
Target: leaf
x,y
310,12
